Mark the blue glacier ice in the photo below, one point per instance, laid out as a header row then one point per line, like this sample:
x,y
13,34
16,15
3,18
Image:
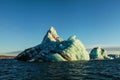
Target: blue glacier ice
x,y
54,48
98,53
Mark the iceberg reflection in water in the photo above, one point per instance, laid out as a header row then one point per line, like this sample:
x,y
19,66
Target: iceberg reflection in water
x,y
88,70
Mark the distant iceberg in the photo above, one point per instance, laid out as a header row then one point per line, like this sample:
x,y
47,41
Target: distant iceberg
x,y
54,48
98,53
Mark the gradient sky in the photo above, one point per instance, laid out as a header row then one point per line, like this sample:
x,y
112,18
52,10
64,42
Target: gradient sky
x,y
23,23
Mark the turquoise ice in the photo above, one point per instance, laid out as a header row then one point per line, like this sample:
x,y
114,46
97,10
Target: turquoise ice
x,y
99,54
54,48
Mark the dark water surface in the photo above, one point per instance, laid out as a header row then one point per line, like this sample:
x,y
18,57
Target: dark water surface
x,y
86,70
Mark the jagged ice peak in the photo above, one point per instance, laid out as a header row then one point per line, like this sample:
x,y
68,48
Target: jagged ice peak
x,y
51,35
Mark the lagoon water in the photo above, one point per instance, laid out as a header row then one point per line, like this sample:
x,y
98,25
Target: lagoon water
x,y
11,69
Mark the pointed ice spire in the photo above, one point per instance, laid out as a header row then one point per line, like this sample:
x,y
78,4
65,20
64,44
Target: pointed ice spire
x,y
52,36
52,29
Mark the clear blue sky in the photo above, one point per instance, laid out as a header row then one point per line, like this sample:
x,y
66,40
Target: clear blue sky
x,y
23,23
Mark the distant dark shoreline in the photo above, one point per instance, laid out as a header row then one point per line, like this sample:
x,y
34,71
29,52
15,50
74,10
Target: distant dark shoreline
x,y
6,57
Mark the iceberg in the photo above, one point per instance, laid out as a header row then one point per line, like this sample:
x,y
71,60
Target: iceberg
x,y
98,53
54,48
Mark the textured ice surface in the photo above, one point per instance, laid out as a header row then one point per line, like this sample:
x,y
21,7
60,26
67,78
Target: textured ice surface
x,y
53,48
75,49
99,53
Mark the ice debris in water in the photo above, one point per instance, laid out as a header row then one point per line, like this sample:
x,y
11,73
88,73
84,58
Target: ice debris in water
x,y
54,48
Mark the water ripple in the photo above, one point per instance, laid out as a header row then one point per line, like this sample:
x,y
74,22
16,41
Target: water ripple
x,y
80,70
